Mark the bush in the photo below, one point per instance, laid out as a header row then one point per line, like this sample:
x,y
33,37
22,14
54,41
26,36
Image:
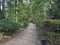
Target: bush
x,y
51,30
2,16
51,25
23,24
7,26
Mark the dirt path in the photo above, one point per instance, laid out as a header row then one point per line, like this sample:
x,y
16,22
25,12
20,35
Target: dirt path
x,y
28,37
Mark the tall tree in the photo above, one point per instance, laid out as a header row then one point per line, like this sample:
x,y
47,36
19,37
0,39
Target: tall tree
x,y
3,4
2,13
16,10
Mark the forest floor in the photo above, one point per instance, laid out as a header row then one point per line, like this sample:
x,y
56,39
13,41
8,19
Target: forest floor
x,y
28,37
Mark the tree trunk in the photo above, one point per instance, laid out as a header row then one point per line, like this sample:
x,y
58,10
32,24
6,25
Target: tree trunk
x,y
16,10
3,4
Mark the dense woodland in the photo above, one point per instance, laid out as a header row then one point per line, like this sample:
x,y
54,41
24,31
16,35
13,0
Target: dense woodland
x,y
15,14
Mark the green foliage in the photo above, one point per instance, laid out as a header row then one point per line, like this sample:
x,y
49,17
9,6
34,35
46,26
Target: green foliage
x,y
54,12
2,16
48,26
7,26
33,12
51,25
1,35
51,30
23,24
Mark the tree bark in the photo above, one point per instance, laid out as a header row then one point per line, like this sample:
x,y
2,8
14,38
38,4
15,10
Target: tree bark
x,y
3,4
16,10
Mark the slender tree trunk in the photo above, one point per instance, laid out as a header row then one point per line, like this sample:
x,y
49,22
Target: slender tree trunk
x,y
2,13
3,4
16,10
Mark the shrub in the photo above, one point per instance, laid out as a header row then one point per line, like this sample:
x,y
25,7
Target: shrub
x,y
48,26
23,24
51,25
51,30
2,16
7,26
1,35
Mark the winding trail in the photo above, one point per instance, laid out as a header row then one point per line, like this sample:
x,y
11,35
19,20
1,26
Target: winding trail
x,y
28,37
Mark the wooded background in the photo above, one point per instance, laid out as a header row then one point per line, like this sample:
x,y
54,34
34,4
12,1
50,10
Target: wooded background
x,y
44,13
